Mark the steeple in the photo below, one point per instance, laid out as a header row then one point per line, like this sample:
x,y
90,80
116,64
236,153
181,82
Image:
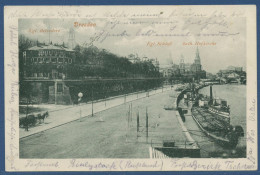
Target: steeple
x,y
197,58
71,41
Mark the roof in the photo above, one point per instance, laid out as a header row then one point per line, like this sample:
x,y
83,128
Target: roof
x,y
50,47
34,48
67,49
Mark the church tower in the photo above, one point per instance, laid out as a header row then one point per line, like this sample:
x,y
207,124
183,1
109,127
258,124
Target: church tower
x,y
197,58
71,41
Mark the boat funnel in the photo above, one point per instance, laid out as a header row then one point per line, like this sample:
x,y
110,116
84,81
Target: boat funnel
x,y
211,95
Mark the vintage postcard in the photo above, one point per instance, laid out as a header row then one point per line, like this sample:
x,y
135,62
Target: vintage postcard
x,y
130,88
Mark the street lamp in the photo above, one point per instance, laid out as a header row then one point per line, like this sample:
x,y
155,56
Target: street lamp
x,y
80,95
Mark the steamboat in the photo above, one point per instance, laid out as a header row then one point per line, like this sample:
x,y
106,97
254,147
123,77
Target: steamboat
x,y
213,118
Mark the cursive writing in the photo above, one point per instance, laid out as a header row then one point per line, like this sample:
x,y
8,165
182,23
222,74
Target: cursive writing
x,y
195,165
14,92
231,165
250,156
92,166
252,113
39,164
126,165
12,133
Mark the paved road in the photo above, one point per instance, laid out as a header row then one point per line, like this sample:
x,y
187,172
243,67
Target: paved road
x,y
65,114
107,135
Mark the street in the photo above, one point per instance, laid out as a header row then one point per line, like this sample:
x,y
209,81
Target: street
x,y
111,133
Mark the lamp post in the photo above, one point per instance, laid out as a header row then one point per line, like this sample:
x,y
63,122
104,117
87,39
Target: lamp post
x,y
80,95
92,104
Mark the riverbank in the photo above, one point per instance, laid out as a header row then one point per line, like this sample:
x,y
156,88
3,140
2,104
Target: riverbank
x,y
110,133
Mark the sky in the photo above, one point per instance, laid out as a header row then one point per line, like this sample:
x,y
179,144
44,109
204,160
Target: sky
x,y
163,38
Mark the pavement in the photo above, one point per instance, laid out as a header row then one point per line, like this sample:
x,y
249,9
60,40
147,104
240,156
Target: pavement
x,y
111,133
62,114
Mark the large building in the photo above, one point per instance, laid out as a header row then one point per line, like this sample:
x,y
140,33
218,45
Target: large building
x,y
47,61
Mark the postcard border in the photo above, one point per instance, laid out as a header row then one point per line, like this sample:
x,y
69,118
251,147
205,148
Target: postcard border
x,y
117,2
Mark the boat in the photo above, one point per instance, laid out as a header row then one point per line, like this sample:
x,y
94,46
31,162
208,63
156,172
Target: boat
x,y
216,106
213,118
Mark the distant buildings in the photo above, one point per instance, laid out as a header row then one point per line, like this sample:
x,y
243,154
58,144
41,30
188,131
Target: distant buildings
x,y
166,72
233,68
229,70
185,71
133,58
156,64
232,75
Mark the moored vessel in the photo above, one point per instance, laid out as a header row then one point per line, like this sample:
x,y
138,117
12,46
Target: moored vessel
x,y
213,118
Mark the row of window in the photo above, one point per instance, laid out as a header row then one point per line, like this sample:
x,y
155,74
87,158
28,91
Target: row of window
x,y
50,60
44,75
50,52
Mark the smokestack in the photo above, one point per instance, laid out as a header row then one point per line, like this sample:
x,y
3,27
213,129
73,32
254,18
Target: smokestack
x,y
211,95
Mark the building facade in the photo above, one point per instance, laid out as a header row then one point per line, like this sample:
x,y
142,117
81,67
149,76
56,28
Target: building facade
x,y
44,69
47,62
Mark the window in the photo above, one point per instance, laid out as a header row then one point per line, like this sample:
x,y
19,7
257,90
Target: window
x,y
24,54
70,60
47,60
40,60
59,87
66,60
60,60
53,60
35,60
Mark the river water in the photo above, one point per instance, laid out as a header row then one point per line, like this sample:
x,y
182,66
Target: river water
x,y
236,97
